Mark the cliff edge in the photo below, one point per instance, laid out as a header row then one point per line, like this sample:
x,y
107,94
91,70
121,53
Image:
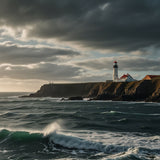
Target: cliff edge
x,y
64,90
144,90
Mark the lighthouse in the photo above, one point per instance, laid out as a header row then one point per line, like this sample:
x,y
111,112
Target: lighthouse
x,y
115,71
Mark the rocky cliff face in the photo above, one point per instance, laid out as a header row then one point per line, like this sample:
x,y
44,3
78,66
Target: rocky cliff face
x,y
64,90
144,90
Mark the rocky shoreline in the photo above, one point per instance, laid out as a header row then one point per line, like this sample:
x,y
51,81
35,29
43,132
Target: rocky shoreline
x,y
144,90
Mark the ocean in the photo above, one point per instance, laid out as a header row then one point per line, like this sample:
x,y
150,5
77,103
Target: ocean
x,y
51,129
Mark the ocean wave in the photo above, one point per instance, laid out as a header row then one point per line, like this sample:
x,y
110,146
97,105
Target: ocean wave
x,y
7,136
82,144
138,153
16,138
54,139
28,99
129,113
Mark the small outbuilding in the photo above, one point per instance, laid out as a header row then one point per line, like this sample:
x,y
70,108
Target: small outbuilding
x,y
150,77
127,78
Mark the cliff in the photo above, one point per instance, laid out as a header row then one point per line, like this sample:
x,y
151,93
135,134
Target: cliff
x,y
64,90
144,90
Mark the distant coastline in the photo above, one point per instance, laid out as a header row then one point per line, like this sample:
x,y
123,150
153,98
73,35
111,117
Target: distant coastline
x,y
144,90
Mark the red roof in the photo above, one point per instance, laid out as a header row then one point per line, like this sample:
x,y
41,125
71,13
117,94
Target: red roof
x,y
153,76
149,77
124,76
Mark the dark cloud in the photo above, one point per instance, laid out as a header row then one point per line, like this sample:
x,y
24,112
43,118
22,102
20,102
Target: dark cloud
x,y
24,55
51,72
125,63
43,71
43,10
123,25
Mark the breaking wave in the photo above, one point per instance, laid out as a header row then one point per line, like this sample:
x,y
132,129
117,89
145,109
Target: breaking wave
x,y
78,143
74,144
52,138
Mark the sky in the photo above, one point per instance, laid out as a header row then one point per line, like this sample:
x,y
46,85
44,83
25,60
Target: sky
x,y
70,41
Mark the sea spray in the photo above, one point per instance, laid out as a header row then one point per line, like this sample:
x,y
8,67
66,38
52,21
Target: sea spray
x,y
51,128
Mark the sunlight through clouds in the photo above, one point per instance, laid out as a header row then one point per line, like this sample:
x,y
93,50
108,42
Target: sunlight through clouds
x,y
78,40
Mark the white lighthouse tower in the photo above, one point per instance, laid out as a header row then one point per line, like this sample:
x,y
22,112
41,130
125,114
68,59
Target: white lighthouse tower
x,y
115,71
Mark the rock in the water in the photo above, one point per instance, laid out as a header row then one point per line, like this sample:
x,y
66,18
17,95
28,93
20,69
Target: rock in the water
x,y
75,98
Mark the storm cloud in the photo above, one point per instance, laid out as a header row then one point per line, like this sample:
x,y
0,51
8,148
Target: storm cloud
x,y
121,25
75,41
16,54
125,63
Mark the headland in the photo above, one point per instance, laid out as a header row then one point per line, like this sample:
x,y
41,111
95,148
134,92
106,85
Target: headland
x,y
143,90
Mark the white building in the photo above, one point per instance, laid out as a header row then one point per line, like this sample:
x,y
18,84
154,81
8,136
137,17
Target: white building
x,y
126,78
